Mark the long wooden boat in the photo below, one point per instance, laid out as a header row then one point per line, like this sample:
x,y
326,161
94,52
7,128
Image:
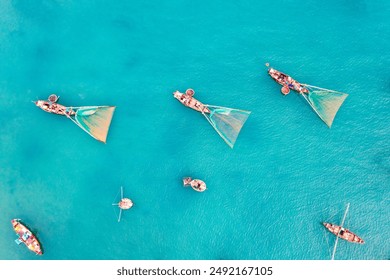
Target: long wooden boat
x,y
188,100
286,82
343,233
26,237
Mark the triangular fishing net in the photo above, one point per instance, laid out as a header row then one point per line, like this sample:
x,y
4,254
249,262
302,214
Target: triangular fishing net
x,y
325,102
227,122
95,120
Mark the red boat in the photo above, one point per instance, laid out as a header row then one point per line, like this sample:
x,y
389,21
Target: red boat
x,y
343,233
26,237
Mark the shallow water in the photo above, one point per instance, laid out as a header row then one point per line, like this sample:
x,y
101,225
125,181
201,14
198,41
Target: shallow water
x,y
266,198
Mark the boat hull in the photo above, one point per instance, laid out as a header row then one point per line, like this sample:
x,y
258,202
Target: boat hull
x,y
188,101
196,184
343,233
286,82
26,237
54,108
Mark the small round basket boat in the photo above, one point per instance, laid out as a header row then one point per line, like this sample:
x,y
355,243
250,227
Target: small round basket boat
x,y
285,90
53,98
190,92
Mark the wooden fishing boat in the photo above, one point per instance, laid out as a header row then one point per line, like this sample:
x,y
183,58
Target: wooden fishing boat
x,y
343,233
324,102
188,100
26,237
196,184
94,120
286,82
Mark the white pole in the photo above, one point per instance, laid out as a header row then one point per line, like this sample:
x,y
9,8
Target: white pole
x,y
337,238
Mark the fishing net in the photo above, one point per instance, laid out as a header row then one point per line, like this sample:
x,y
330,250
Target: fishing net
x,y
325,102
227,122
95,120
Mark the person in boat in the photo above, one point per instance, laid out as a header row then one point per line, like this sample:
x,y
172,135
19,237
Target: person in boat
x,y
296,85
51,107
186,98
198,105
45,106
69,112
289,82
281,78
59,109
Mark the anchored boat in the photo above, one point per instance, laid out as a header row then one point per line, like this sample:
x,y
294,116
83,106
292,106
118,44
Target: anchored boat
x,y
196,184
94,120
342,233
226,121
26,237
123,204
324,102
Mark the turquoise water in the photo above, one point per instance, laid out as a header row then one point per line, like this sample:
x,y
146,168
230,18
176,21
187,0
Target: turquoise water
x,y
266,198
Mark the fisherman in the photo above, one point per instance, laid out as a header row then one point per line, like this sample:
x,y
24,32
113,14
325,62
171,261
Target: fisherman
x,y
290,82
69,112
45,106
184,99
59,109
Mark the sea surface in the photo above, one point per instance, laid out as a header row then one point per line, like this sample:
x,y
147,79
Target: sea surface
x,y
266,198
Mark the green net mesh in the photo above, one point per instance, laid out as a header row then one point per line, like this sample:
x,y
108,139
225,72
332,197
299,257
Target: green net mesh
x,y
95,120
227,122
325,102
